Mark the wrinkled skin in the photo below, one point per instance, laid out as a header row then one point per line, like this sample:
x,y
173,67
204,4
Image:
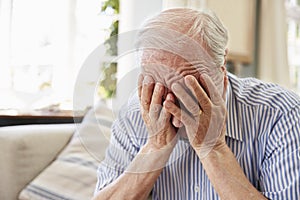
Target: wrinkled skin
x,y
172,95
157,119
205,115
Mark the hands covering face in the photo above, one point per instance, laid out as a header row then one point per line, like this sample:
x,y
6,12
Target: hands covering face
x,y
202,112
204,116
155,116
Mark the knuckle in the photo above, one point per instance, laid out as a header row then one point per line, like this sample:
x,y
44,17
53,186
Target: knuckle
x,y
155,108
164,117
144,113
185,118
176,112
206,105
194,109
145,103
146,119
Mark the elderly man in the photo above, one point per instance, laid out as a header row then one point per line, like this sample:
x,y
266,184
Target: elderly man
x,y
195,131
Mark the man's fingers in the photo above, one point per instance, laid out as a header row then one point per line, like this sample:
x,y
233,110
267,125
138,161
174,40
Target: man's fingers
x,y
170,97
146,93
156,102
213,92
165,115
157,94
177,123
140,85
189,103
178,113
198,92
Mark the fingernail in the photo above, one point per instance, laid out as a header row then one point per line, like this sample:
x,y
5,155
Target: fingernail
x,y
188,79
147,80
159,86
169,97
175,87
178,124
167,104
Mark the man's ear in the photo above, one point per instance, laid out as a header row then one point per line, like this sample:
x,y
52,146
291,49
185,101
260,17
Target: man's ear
x,y
225,83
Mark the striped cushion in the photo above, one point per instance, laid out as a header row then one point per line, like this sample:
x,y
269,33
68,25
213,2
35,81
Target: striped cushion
x,y
73,174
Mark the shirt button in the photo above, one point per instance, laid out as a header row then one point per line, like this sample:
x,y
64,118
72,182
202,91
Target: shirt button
x,y
197,189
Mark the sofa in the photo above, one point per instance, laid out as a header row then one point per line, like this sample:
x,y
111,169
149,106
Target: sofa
x,y
54,161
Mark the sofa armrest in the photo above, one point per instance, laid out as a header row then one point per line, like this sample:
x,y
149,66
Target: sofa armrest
x,y
25,151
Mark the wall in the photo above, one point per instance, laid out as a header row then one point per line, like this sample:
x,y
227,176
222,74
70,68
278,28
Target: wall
x,y
132,15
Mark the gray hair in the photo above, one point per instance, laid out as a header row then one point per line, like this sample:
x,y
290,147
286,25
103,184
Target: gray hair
x,y
197,36
202,26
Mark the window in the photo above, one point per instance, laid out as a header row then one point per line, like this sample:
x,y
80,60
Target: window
x,y
43,44
293,14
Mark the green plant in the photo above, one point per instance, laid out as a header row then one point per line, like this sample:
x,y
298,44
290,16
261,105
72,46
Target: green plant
x,y
114,4
107,86
108,83
112,41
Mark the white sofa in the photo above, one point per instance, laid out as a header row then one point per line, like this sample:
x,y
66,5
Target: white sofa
x,y
53,161
27,150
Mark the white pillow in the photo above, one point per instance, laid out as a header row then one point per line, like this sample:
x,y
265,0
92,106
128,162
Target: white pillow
x,y
73,174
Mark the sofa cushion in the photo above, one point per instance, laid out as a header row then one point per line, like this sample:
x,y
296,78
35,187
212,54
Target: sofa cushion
x,y
73,173
26,150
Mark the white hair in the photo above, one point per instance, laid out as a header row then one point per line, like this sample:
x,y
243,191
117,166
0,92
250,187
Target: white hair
x,y
197,36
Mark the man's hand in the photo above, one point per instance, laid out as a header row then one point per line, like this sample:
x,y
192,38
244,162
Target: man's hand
x,y
161,132
202,113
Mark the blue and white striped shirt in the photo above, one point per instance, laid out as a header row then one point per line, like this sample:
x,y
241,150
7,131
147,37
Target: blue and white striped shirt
x,y
263,132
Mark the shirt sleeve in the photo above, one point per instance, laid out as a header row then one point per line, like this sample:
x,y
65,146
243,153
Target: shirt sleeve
x,y
280,173
120,152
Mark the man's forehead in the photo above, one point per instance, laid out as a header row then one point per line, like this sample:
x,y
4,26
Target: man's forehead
x,y
167,68
161,57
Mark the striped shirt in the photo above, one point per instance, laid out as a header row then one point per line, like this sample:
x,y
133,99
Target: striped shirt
x,y
263,132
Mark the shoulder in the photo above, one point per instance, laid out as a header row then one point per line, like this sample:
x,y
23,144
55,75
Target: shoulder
x,y
130,122
131,109
256,93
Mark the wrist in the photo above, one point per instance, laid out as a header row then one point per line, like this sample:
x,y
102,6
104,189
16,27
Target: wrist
x,y
151,146
214,153
150,158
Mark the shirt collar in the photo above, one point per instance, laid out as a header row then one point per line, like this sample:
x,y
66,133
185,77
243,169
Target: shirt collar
x,y
233,124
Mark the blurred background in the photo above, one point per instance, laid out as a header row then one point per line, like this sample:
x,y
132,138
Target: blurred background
x,y
45,43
